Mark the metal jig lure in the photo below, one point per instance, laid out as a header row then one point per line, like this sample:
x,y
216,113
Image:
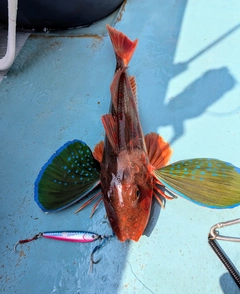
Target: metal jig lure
x,y
70,236
213,236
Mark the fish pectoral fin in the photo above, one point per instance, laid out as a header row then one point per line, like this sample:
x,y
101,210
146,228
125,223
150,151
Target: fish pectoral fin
x,y
159,151
111,130
204,181
69,175
98,151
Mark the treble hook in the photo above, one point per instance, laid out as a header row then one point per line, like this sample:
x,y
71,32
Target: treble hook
x,y
104,238
37,236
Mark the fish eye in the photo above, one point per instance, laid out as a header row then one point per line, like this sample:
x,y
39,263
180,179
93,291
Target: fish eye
x,y
137,193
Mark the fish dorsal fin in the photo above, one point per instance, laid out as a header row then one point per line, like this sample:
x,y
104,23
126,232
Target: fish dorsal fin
x,y
115,85
123,46
159,151
111,130
132,81
98,151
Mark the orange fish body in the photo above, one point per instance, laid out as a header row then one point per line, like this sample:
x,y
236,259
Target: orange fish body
x,y
126,178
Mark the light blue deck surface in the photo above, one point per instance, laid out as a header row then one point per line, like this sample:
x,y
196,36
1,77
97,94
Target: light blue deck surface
x,y
188,72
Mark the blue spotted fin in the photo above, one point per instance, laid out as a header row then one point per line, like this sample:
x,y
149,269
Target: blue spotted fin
x,y
69,175
208,182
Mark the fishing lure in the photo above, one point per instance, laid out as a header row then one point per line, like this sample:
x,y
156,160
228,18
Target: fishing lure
x,y
70,236
131,168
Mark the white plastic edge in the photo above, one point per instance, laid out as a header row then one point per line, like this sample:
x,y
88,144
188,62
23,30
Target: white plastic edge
x,y
9,57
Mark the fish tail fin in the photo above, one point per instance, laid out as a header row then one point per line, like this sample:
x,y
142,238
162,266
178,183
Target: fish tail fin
x,y
123,46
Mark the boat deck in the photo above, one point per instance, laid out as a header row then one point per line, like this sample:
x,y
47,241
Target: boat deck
x,y
188,72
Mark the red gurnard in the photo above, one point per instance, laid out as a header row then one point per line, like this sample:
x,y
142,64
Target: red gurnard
x,y
123,165
126,178
130,167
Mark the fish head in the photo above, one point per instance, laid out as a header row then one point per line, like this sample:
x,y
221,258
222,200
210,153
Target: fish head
x,y
128,200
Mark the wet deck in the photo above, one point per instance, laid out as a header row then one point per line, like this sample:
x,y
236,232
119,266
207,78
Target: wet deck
x,y
187,70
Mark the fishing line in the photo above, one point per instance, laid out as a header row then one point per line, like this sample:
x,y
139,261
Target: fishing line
x,y
138,278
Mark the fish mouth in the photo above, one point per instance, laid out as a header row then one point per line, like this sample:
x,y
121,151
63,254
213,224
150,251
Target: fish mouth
x,y
127,226
124,234
134,237
129,233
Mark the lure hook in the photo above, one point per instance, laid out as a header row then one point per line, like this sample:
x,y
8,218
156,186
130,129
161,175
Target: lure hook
x,y
104,238
214,234
35,237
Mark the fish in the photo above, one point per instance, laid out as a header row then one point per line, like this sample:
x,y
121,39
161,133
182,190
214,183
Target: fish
x,y
126,175
131,169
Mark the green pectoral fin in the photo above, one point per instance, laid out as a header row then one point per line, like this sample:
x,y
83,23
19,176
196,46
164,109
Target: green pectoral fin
x,y
208,182
69,175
